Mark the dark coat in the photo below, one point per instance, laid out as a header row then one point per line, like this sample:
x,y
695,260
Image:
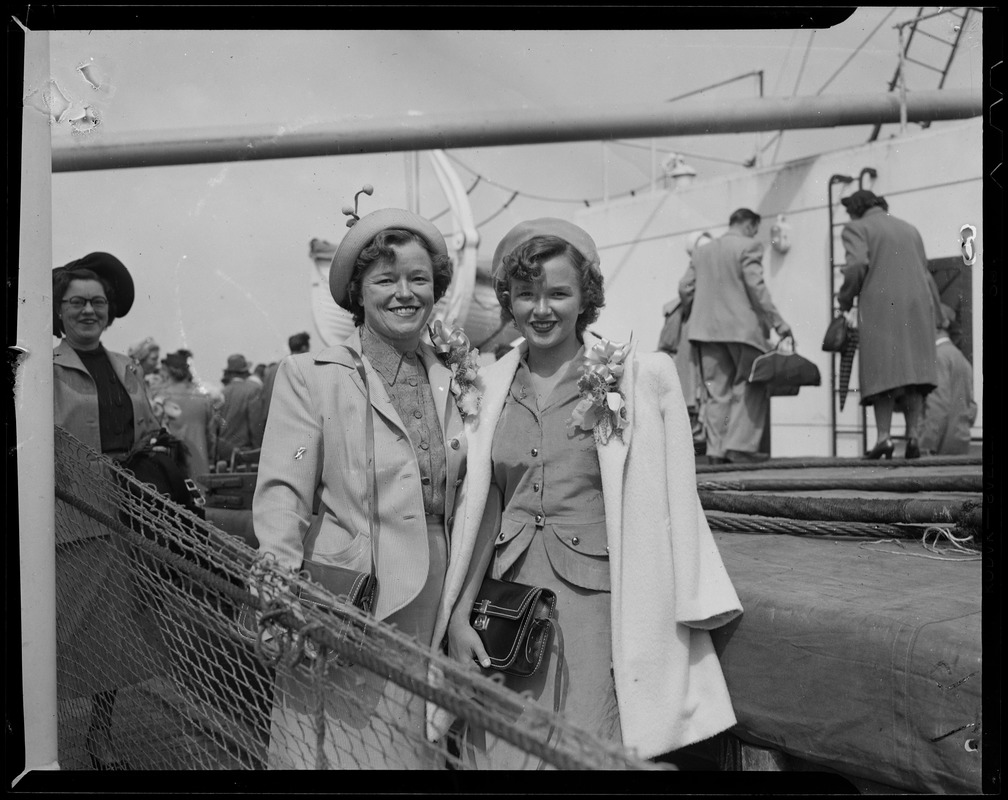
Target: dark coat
x,y
886,269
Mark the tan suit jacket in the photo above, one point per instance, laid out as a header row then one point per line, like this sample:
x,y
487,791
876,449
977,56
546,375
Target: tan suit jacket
x,y
75,396
314,443
723,289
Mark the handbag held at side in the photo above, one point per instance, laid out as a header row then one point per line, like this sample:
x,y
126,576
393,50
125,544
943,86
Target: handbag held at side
x,y
784,374
836,334
514,622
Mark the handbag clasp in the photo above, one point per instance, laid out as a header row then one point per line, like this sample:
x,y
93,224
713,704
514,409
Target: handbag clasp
x,y
481,622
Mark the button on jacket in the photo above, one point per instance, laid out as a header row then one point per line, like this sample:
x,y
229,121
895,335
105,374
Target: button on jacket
x,y
314,441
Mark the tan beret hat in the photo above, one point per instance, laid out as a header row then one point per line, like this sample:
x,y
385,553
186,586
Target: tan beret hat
x,y
546,226
363,232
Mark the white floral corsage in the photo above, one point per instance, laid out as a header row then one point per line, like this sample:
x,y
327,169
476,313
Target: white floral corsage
x,y
453,349
602,408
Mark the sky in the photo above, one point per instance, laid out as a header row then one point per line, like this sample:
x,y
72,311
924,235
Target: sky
x,y
219,252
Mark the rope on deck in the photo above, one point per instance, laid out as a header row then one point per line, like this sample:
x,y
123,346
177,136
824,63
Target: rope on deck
x,y
746,523
966,513
805,463
884,483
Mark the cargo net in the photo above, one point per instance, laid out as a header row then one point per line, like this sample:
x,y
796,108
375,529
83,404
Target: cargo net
x,y
179,648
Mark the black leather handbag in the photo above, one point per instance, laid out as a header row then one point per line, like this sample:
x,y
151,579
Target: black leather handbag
x,y
358,588
836,334
514,622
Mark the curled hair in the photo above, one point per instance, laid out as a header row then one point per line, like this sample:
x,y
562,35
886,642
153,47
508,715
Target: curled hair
x,y
63,277
381,249
524,263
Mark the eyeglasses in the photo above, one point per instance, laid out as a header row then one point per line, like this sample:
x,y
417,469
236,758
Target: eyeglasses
x,y
78,303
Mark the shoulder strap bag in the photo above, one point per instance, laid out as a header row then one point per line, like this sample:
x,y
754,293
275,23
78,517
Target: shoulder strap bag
x,y
360,589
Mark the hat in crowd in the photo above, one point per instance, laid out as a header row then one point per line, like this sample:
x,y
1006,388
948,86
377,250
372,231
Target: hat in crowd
x,y
360,235
179,360
237,366
143,349
860,201
111,269
546,226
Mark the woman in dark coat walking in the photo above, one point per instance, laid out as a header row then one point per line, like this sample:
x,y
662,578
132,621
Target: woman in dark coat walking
x,y
886,270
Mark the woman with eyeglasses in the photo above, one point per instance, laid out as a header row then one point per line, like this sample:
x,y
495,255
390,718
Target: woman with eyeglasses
x,y
99,398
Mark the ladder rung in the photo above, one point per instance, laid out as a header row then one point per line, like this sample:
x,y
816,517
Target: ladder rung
x,y
922,64
937,38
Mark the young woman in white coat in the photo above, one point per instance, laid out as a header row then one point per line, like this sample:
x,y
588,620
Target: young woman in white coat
x,y
389,271
600,507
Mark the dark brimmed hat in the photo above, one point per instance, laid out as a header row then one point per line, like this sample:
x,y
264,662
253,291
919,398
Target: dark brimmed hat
x,y
237,365
111,269
179,360
546,226
363,232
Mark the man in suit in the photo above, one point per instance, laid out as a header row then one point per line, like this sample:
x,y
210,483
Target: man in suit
x,y
730,315
238,415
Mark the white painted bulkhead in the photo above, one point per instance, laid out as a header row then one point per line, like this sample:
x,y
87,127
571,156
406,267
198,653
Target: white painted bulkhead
x,y
931,178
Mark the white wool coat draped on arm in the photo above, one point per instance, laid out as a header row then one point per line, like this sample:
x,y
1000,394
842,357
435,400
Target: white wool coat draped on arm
x,y
669,584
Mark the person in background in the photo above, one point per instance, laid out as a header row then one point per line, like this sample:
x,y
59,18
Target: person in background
x,y
238,429
949,410
599,506
898,310
147,354
731,313
195,422
99,397
298,343
684,354
256,376
389,270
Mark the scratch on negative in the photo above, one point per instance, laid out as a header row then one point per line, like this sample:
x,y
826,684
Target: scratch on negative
x,y
957,683
946,735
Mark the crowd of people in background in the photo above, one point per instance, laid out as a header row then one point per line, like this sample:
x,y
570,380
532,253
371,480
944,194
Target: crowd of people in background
x,y
214,423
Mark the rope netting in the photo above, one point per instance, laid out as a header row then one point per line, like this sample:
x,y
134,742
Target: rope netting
x,y
178,648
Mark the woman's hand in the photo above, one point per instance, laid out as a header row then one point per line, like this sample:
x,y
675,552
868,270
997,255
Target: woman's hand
x,y
464,644
852,316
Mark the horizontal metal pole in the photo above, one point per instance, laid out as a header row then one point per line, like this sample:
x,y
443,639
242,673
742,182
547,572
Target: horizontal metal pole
x,y
357,135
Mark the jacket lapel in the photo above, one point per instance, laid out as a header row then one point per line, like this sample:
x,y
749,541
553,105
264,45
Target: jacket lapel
x,y
612,457
440,378
380,401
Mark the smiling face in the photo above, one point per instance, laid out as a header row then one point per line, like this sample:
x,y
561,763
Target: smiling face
x,y
546,310
83,327
398,296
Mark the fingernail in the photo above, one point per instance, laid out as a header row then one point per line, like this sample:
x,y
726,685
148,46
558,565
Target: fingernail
x,y
485,662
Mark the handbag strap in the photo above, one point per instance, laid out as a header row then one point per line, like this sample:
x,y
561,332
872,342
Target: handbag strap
x,y
373,520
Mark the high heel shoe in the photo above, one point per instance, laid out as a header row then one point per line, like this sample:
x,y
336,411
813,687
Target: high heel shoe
x,y
912,449
884,449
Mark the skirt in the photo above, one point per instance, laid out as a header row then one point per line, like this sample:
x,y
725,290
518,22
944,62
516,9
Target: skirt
x,y
105,638
588,689
370,722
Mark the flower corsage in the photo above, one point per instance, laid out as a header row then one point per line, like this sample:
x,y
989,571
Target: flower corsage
x,y
602,408
453,349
